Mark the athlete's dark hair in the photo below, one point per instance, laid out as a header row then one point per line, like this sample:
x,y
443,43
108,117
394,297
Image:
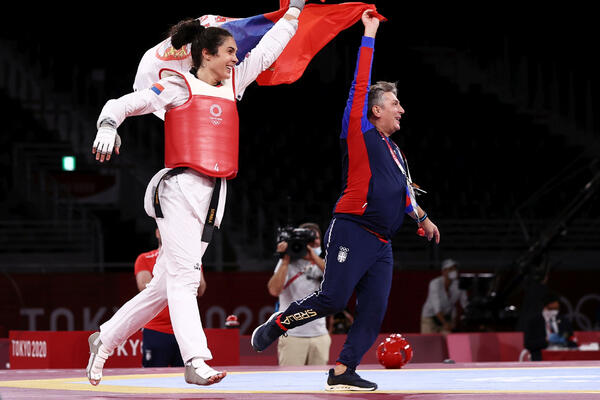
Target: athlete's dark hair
x,y
191,31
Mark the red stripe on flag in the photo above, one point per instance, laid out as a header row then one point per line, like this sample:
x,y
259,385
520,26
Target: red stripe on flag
x,y
275,16
318,24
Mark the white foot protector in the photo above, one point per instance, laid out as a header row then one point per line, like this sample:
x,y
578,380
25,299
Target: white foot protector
x,y
98,356
199,373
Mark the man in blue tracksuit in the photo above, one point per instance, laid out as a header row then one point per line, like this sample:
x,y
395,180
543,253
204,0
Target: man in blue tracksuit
x,y
370,210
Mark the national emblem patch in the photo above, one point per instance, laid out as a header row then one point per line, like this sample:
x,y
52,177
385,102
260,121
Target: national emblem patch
x,y
342,254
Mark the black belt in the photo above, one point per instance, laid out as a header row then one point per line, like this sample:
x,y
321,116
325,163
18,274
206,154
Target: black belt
x,y
170,173
209,224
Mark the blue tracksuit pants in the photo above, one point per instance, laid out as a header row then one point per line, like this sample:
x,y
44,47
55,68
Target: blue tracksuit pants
x,y
355,260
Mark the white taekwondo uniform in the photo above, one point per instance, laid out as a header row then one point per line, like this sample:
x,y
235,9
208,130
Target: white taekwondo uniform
x,y
184,200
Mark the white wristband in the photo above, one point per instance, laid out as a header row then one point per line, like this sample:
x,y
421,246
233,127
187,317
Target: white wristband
x,y
293,11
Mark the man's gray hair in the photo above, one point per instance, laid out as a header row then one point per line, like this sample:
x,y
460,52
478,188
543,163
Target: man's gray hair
x,y
376,92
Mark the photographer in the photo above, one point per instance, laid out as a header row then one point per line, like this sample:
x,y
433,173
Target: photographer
x,y
298,274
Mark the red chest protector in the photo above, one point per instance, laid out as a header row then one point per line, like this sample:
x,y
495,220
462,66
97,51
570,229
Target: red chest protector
x,y
203,133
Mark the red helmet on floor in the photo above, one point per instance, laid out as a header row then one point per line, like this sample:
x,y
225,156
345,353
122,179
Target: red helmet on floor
x,y
394,351
232,322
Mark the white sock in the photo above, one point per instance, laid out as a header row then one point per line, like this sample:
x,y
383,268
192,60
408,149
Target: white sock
x,y
101,357
202,369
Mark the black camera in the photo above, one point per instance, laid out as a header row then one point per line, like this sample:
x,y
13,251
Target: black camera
x,y
297,239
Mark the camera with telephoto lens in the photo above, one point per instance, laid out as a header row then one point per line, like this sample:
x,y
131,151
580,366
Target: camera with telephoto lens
x,y
297,239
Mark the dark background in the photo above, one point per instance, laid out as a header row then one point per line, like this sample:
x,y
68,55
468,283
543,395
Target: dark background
x,y
501,128
480,156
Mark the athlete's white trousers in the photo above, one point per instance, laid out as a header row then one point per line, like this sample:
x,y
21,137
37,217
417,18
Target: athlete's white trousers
x,y
184,201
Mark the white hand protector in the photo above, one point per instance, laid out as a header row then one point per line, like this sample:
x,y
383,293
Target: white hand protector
x,y
296,7
299,4
106,140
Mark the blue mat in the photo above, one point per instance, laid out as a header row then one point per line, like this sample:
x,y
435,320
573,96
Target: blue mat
x,y
463,380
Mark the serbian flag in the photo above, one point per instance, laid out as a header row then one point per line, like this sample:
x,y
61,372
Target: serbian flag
x,y
317,25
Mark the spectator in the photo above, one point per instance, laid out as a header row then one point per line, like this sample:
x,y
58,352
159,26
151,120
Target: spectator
x,y
439,312
547,328
295,279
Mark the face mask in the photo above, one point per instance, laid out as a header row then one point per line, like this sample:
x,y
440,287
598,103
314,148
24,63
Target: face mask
x,y
550,314
317,250
453,275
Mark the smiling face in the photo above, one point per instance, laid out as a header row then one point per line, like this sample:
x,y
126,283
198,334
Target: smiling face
x,y
387,114
217,67
221,64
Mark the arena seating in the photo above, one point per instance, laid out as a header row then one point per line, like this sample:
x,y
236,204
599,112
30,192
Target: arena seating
x,y
479,157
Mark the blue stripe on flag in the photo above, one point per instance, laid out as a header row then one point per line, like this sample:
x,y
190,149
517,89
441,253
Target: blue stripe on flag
x,y
157,88
247,32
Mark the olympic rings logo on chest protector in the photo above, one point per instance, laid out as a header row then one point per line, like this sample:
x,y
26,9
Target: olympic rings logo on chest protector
x,y
215,111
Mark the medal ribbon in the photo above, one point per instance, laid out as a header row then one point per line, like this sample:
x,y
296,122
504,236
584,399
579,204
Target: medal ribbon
x,y
411,191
